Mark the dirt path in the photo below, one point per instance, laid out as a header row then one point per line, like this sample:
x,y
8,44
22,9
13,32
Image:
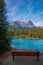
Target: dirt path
x,y
4,56
23,60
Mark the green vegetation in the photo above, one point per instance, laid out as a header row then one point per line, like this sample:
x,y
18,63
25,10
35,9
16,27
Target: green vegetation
x,y
32,33
4,37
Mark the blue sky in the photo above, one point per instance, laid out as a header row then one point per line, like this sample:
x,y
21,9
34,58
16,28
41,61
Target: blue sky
x,y
25,10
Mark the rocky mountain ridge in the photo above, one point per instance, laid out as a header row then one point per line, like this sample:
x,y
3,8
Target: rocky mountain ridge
x,y
21,25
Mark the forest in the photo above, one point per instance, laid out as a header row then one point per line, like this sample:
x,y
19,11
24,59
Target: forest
x,y
32,33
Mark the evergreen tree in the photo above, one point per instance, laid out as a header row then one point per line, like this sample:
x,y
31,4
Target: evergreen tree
x,y
4,40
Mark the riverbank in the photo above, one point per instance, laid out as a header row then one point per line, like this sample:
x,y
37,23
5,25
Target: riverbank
x,y
26,37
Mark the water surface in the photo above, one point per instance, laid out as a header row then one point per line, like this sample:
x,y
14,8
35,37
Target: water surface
x,y
27,44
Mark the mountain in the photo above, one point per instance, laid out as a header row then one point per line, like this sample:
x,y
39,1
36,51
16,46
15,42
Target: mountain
x,y
21,25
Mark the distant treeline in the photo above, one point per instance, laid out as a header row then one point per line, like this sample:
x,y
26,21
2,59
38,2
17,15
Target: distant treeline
x,y
32,33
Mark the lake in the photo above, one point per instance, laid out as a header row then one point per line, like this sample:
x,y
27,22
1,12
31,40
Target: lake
x,y
27,44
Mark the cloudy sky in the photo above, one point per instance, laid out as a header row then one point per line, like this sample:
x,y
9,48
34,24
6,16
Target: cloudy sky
x,y
25,10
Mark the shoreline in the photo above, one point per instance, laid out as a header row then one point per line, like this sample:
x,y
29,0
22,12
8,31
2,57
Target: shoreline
x,y
28,38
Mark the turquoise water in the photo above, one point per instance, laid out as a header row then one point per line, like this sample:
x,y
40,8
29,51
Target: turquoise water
x,y
27,44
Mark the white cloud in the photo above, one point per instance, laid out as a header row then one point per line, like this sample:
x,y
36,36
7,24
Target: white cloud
x,y
8,3
26,15
39,23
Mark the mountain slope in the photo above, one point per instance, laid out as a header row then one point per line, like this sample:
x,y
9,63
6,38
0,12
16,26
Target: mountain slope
x,y
20,25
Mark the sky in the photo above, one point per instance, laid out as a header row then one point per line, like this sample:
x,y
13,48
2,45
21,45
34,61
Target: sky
x,y
25,10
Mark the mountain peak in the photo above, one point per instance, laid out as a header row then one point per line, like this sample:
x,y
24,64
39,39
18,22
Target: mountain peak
x,y
21,25
30,22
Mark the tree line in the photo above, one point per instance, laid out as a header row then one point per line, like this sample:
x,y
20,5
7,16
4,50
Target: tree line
x,y
32,33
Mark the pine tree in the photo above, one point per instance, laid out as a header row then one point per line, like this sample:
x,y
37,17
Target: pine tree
x,y
4,40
